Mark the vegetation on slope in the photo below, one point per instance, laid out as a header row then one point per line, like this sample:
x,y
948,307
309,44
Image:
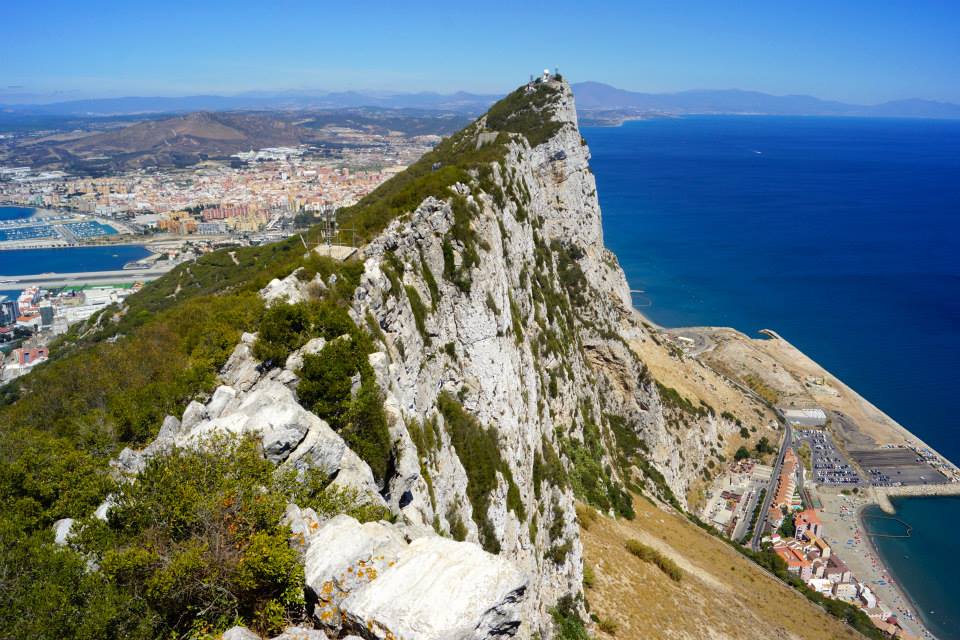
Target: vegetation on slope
x,y
721,593
479,452
113,379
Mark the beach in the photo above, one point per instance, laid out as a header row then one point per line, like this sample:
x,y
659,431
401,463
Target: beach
x,y
843,524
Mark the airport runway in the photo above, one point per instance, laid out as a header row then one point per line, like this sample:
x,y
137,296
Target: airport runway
x,y
48,280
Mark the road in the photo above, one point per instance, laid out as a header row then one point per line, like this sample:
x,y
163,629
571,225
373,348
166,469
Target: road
x,y
122,276
772,487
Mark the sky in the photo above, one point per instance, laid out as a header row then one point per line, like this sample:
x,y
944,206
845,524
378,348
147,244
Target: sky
x,y
850,50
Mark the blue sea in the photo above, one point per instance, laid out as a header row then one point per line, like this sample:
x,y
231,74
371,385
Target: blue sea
x,y
925,563
842,234
13,213
18,262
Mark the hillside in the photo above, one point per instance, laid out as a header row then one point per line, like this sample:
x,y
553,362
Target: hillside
x,y
720,589
85,147
387,447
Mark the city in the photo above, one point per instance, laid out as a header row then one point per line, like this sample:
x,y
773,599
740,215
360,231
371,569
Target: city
x,y
255,197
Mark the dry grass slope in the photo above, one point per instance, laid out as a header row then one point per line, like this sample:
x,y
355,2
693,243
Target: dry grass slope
x,y
722,594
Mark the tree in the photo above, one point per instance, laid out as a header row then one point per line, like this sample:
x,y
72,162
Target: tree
x,y
741,454
763,446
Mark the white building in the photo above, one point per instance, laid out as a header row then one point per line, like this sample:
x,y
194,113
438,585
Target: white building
x,y
806,417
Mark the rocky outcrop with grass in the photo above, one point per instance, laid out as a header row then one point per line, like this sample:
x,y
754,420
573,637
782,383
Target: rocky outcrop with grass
x,y
419,419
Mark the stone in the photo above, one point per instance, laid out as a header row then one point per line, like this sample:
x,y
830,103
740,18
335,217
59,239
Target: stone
x,y
303,523
279,443
193,414
62,530
241,370
239,633
295,359
440,589
344,555
169,429
289,290
129,462
104,509
301,633
223,396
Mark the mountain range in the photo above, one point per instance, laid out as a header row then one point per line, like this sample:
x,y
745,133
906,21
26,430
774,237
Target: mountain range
x,y
593,98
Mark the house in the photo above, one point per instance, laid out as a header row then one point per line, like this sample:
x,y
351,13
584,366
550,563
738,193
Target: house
x,y
796,560
836,571
807,524
26,357
845,590
821,586
821,545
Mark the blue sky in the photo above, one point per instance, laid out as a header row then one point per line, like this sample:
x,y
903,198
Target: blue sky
x,y
855,51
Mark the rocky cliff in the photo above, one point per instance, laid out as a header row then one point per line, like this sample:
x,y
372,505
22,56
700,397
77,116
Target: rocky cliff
x,y
501,338
502,299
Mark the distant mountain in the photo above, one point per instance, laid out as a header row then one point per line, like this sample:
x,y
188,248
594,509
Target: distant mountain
x,y
593,97
596,100
185,139
460,102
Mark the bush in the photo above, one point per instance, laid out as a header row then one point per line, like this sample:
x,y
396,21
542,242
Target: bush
x,y
591,482
567,622
197,539
589,576
586,516
649,554
327,388
763,446
479,452
608,626
284,328
419,312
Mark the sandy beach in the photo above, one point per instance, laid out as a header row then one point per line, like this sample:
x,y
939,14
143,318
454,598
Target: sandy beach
x,y
844,530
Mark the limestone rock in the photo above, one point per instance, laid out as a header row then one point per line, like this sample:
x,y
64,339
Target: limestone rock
x,y
343,556
301,633
241,370
295,359
61,530
193,414
367,578
239,633
223,396
290,290
440,589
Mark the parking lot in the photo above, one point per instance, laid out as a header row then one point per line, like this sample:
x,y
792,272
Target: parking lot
x,y
896,466
830,465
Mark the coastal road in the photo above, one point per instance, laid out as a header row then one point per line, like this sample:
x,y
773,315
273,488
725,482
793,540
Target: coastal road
x,y
122,276
772,487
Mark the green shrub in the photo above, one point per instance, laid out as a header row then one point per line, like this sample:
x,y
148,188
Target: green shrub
x,y
608,626
284,328
419,312
649,554
591,482
326,387
479,452
589,576
197,539
431,281
567,622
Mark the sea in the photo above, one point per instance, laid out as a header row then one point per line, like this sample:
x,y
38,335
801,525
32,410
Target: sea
x,y
843,235
16,262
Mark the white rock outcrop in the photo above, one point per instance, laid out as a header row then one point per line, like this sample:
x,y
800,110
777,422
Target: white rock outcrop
x,y
367,578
